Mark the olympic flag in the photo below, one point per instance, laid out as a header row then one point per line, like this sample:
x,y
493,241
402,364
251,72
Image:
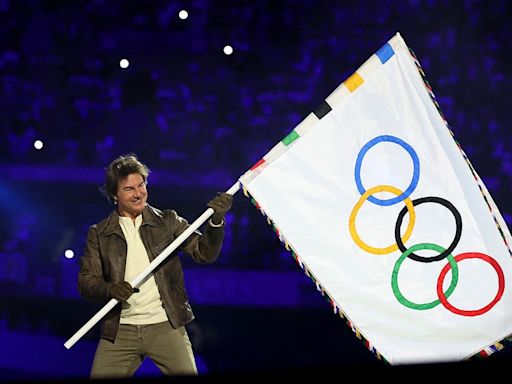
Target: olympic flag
x,y
380,206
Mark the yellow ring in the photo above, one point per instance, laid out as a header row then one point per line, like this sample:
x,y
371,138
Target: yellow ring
x,y
353,214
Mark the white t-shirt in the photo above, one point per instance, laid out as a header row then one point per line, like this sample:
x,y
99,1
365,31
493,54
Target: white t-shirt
x,y
145,306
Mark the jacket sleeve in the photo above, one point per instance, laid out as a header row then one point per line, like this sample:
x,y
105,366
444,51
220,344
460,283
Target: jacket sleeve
x,y
91,283
201,247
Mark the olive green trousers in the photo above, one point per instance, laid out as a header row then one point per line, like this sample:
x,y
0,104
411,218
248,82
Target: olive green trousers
x,y
170,349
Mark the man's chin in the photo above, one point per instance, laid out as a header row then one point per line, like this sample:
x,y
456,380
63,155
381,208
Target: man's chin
x,y
138,208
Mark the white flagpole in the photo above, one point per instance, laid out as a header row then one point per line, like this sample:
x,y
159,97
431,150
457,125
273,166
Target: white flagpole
x,y
149,269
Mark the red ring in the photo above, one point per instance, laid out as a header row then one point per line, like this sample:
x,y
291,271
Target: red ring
x,y
476,312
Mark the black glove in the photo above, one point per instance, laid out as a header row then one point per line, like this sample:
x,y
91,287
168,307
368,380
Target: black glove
x,y
220,205
121,291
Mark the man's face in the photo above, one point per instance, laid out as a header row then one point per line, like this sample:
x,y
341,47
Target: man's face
x,y
131,195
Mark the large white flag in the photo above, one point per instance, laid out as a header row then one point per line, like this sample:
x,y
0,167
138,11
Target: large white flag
x,y
382,209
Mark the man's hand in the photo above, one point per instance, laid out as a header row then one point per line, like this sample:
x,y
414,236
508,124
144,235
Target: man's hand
x,y
121,291
220,205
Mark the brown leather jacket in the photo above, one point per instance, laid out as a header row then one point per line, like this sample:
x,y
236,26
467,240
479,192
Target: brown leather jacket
x,y
104,260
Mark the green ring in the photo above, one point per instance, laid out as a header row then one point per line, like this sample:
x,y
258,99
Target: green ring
x,y
394,276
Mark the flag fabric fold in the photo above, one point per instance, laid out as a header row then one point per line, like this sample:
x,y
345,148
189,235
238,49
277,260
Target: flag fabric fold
x,y
382,209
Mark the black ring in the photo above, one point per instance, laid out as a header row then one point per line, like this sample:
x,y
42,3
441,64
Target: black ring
x,y
458,231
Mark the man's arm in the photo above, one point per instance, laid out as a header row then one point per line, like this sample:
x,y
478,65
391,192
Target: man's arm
x,y
91,283
206,247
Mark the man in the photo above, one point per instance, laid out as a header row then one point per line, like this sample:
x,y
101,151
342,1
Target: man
x,y
150,321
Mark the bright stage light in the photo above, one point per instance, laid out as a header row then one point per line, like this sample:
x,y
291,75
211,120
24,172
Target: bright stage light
x,y
38,144
228,49
124,63
69,254
183,15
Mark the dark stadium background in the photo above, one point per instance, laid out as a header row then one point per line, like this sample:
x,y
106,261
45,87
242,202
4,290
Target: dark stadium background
x,y
200,118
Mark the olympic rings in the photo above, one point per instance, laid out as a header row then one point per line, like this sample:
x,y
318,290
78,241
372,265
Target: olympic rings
x,y
409,253
415,175
396,268
476,312
352,220
458,229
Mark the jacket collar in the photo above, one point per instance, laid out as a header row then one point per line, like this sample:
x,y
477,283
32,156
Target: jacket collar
x,y
150,216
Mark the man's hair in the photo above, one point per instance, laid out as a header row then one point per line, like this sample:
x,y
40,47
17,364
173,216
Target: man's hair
x,y
120,168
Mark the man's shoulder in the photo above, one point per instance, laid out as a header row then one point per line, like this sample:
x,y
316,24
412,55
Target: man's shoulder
x,y
103,224
157,214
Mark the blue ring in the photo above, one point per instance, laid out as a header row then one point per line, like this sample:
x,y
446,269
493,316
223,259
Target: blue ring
x,y
415,176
